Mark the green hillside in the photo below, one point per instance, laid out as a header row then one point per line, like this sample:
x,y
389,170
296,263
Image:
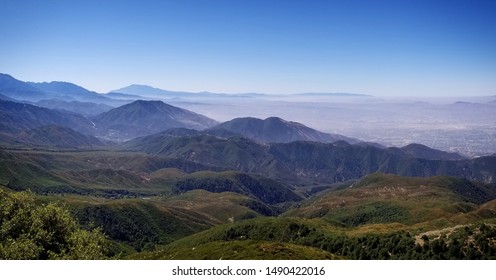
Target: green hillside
x,y
239,250
150,221
266,190
475,241
381,198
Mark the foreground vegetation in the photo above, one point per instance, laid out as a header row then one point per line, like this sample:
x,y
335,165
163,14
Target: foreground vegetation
x,y
29,230
324,242
105,204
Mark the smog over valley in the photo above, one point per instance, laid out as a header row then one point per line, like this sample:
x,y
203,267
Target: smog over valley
x,y
248,130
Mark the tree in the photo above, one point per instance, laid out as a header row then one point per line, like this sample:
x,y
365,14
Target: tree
x,y
31,230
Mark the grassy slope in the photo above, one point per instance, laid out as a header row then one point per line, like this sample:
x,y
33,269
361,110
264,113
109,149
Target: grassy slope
x,y
285,238
239,250
260,238
381,198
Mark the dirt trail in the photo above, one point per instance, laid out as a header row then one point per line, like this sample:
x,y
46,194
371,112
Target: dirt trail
x,y
445,231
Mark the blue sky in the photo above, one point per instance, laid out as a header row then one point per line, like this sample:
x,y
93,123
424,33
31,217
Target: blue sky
x,y
384,48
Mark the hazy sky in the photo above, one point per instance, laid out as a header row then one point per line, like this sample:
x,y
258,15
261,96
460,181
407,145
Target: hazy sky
x,y
373,47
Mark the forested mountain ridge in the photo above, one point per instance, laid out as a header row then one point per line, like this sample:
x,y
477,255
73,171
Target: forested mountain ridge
x,y
321,162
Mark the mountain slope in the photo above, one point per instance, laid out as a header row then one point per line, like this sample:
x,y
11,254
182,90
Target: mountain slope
x,y
259,238
383,198
234,153
306,162
268,191
340,162
238,250
275,130
16,117
101,173
59,136
141,118
18,90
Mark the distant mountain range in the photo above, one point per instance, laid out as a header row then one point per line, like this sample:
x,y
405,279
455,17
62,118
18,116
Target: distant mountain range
x,y
145,91
64,96
152,92
51,94
334,94
66,90
143,118
117,116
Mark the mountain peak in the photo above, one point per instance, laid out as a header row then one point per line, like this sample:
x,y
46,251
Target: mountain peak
x,y
422,151
145,117
134,87
275,119
275,130
150,106
145,91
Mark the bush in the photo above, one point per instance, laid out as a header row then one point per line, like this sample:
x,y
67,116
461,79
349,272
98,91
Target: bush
x,y
29,230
